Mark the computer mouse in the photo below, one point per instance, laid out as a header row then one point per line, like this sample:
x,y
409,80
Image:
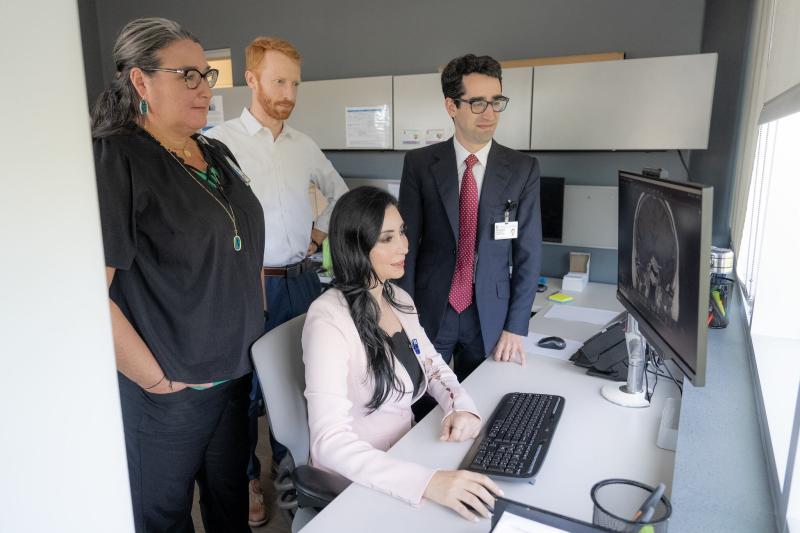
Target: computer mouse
x,y
554,343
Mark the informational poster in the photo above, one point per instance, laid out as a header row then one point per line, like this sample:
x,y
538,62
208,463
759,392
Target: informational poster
x,y
368,127
434,136
215,113
411,138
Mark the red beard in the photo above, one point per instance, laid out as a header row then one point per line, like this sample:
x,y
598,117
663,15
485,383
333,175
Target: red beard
x,y
278,110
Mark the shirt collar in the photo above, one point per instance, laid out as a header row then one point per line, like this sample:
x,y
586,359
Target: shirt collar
x,y
251,123
253,126
462,153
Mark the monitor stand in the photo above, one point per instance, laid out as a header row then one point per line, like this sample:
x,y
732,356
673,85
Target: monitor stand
x,y
631,393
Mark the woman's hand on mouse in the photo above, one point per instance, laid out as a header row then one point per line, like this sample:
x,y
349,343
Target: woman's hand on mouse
x,y
468,493
460,425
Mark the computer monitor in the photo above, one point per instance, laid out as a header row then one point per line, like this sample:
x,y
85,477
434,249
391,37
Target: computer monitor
x,y
551,193
663,270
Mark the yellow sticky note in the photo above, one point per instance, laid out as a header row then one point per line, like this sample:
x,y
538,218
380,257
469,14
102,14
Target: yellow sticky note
x,y
560,298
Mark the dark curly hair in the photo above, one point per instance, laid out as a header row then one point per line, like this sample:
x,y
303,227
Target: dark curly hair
x,y
453,74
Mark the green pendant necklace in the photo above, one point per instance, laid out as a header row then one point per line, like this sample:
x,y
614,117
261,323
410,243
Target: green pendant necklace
x,y
213,180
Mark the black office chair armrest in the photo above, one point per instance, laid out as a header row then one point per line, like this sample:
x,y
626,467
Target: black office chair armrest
x,y
317,488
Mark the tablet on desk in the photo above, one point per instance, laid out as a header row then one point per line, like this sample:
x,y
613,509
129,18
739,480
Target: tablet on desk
x,y
514,517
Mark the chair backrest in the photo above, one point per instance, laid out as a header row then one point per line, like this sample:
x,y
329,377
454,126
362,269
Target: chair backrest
x,y
278,358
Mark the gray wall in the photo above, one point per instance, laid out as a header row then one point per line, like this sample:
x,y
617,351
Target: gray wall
x,y
350,38
90,42
724,30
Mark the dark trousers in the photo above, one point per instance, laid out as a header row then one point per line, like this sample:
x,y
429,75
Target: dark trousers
x,y
173,440
286,299
459,337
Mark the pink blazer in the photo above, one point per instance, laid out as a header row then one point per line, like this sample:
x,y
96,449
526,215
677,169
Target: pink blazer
x,y
344,437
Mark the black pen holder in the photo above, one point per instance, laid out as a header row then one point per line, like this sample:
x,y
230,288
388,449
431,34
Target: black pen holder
x,y
720,292
616,502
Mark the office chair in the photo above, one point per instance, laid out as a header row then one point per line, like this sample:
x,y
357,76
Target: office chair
x,y
301,489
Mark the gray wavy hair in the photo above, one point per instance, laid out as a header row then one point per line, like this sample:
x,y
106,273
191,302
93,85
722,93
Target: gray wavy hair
x,y
137,45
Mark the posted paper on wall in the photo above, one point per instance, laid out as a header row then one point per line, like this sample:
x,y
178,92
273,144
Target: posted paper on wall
x,y
411,138
368,127
433,136
215,112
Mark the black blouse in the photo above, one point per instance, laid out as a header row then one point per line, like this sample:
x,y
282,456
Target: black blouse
x,y
401,347
195,301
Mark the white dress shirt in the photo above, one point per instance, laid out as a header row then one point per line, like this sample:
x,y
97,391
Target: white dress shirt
x,y
478,170
280,171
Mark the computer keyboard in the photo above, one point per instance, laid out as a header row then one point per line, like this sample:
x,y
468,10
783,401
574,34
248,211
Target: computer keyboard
x,y
513,444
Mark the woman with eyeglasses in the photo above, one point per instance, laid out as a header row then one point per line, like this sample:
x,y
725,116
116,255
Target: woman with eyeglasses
x,y
183,238
367,359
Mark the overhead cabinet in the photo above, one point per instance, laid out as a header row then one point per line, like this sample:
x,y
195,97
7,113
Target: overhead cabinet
x,y
421,118
657,103
660,103
346,114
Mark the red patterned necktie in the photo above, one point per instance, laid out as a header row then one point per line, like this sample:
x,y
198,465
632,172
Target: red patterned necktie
x,y
461,288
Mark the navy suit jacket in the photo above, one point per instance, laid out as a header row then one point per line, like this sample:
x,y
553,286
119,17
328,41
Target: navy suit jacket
x,y
428,202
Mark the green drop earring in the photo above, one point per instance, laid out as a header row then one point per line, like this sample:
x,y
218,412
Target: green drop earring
x,y
143,107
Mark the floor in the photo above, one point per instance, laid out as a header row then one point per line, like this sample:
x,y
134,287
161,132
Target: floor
x,y
278,523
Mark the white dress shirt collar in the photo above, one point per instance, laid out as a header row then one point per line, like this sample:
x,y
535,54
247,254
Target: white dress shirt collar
x,y
253,126
478,170
462,153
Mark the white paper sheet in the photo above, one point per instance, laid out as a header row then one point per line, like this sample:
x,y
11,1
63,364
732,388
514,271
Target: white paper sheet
x,y
530,346
411,138
434,136
215,112
576,313
511,523
368,126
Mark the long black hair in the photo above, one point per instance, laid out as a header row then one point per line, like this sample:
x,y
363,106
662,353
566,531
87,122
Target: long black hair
x,y
137,45
355,227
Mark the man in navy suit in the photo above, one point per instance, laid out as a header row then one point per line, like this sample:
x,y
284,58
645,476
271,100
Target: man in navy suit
x,y
471,208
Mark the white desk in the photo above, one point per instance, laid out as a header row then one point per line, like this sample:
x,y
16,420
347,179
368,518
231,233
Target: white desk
x,y
594,440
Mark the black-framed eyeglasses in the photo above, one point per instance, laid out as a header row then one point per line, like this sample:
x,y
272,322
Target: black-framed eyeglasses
x,y
479,105
191,76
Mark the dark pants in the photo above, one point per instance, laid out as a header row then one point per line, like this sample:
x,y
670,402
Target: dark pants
x,y
173,440
459,337
286,299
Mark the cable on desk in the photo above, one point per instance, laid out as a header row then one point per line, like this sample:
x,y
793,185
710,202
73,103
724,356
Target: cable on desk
x,y
660,362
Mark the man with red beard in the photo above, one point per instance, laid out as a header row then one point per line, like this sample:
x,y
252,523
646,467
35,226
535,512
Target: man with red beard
x,y
281,162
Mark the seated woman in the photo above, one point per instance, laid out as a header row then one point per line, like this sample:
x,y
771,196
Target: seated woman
x,y
367,359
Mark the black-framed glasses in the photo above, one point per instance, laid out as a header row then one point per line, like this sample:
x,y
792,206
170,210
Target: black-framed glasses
x,y
191,76
479,105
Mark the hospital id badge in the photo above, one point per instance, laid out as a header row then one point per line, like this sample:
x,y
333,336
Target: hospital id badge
x,y
505,230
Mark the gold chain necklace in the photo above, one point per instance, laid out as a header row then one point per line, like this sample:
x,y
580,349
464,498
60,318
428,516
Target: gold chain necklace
x,y
237,239
185,151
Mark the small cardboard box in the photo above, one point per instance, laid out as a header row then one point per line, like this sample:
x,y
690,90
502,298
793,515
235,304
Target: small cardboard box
x,y
578,275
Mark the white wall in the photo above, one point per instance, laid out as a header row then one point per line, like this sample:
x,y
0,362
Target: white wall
x,y
62,455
